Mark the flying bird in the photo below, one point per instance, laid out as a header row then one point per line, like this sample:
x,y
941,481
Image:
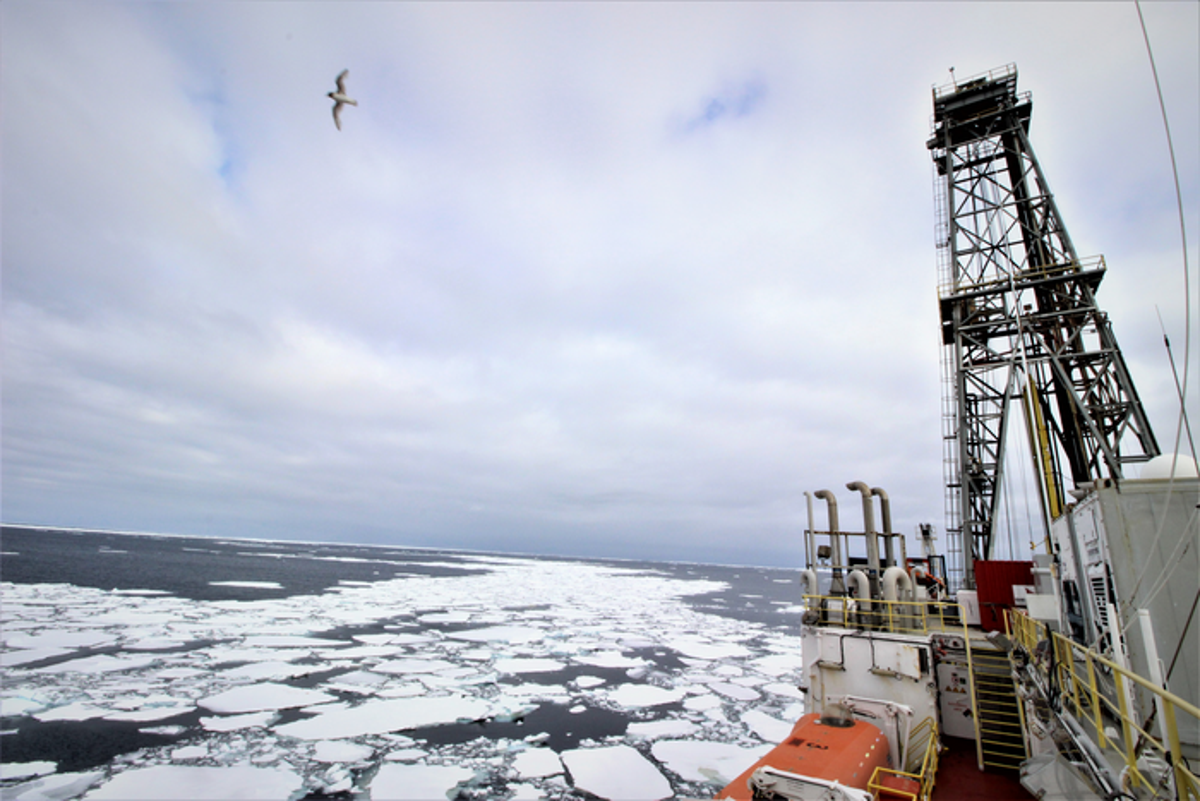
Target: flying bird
x,y
340,99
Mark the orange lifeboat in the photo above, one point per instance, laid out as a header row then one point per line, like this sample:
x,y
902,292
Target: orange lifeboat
x,y
821,752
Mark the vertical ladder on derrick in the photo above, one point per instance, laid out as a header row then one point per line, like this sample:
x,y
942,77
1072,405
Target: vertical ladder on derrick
x,y
999,729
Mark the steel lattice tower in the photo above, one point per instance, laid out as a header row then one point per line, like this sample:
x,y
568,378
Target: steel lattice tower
x,y
1020,323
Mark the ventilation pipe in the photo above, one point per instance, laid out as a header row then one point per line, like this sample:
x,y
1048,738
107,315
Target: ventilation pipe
x,y
836,587
810,538
885,513
897,584
808,583
869,527
860,588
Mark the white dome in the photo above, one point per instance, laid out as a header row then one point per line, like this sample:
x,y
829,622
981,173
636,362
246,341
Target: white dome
x,y
1160,466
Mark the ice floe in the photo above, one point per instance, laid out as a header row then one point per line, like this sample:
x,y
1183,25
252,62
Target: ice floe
x,y
311,694
377,717
25,770
694,761
235,722
639,695
616,772
341,751
188,783
418,782
537,763
261,697
528,665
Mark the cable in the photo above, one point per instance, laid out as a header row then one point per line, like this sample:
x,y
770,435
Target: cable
x,y
1183,635
1187,290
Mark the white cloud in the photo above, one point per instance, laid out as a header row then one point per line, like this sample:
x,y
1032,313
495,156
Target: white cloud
x,y
524,299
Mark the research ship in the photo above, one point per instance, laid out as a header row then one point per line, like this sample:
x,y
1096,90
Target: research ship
x,y
1069,675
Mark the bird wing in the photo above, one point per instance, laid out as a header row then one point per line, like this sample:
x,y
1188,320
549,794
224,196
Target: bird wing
x,y
337,120
341,81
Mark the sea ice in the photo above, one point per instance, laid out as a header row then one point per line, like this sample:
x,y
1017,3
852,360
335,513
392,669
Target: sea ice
x,y
236,722
640,695
288,641
536,763
401,666
528,665
152,712
60,639
524,792
189,752
154,644
771,729
509,634
259,670
707,649
377,717
405,755
735,692
617,773
417,782
779,664
80,710
256,585
12,705
340,751
568,614
461,616
701,761
58,787
700,703
11,659
786,690
26,770
654,729
101,663
187,783
263,696
610,659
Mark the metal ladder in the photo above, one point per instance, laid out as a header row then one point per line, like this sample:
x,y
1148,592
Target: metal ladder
x,y
999,723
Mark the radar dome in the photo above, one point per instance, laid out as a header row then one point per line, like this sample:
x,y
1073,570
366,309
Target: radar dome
x,y
1160,466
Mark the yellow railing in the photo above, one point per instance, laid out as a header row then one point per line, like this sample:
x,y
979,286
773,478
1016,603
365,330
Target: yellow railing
x,y
1074,670
896,617
923,750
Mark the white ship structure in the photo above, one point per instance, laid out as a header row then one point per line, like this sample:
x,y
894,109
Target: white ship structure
x,y
1073,674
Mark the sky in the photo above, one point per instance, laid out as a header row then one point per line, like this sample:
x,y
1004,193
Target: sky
x,y
592,279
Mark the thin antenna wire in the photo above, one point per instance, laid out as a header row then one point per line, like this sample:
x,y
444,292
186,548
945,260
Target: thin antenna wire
x,y
1187,290
1178,389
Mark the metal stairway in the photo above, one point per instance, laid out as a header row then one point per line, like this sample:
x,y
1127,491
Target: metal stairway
x,y
999,737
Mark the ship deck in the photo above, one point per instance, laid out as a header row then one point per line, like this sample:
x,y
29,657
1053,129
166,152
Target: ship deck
x,y
960,779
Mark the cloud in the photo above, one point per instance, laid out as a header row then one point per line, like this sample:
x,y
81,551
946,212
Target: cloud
x,y
601,279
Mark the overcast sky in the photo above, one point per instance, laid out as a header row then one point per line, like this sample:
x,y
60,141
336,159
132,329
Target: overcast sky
x,y
614,279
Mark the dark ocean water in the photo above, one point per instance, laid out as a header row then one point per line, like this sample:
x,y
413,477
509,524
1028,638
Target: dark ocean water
x,y
188,567
239,577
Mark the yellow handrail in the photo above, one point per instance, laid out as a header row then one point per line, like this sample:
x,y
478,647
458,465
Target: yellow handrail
x,y
923,772
896,617
1075,669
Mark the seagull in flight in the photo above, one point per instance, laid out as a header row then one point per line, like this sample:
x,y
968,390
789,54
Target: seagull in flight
x,y
340,99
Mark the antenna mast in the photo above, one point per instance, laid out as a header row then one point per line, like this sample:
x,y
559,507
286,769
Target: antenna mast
x,y
1019,321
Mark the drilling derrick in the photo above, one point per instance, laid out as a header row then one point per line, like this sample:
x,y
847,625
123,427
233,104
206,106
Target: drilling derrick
x,y
1020,325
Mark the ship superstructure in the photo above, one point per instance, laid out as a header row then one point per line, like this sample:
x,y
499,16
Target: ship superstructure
x,y
1074,670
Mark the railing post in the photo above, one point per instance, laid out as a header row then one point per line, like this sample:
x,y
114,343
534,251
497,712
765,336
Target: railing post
x,y
1095,702
1177,762
1125,732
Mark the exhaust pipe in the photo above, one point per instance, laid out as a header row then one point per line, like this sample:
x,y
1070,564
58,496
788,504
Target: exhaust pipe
x,y
869,525
885,512
836,587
